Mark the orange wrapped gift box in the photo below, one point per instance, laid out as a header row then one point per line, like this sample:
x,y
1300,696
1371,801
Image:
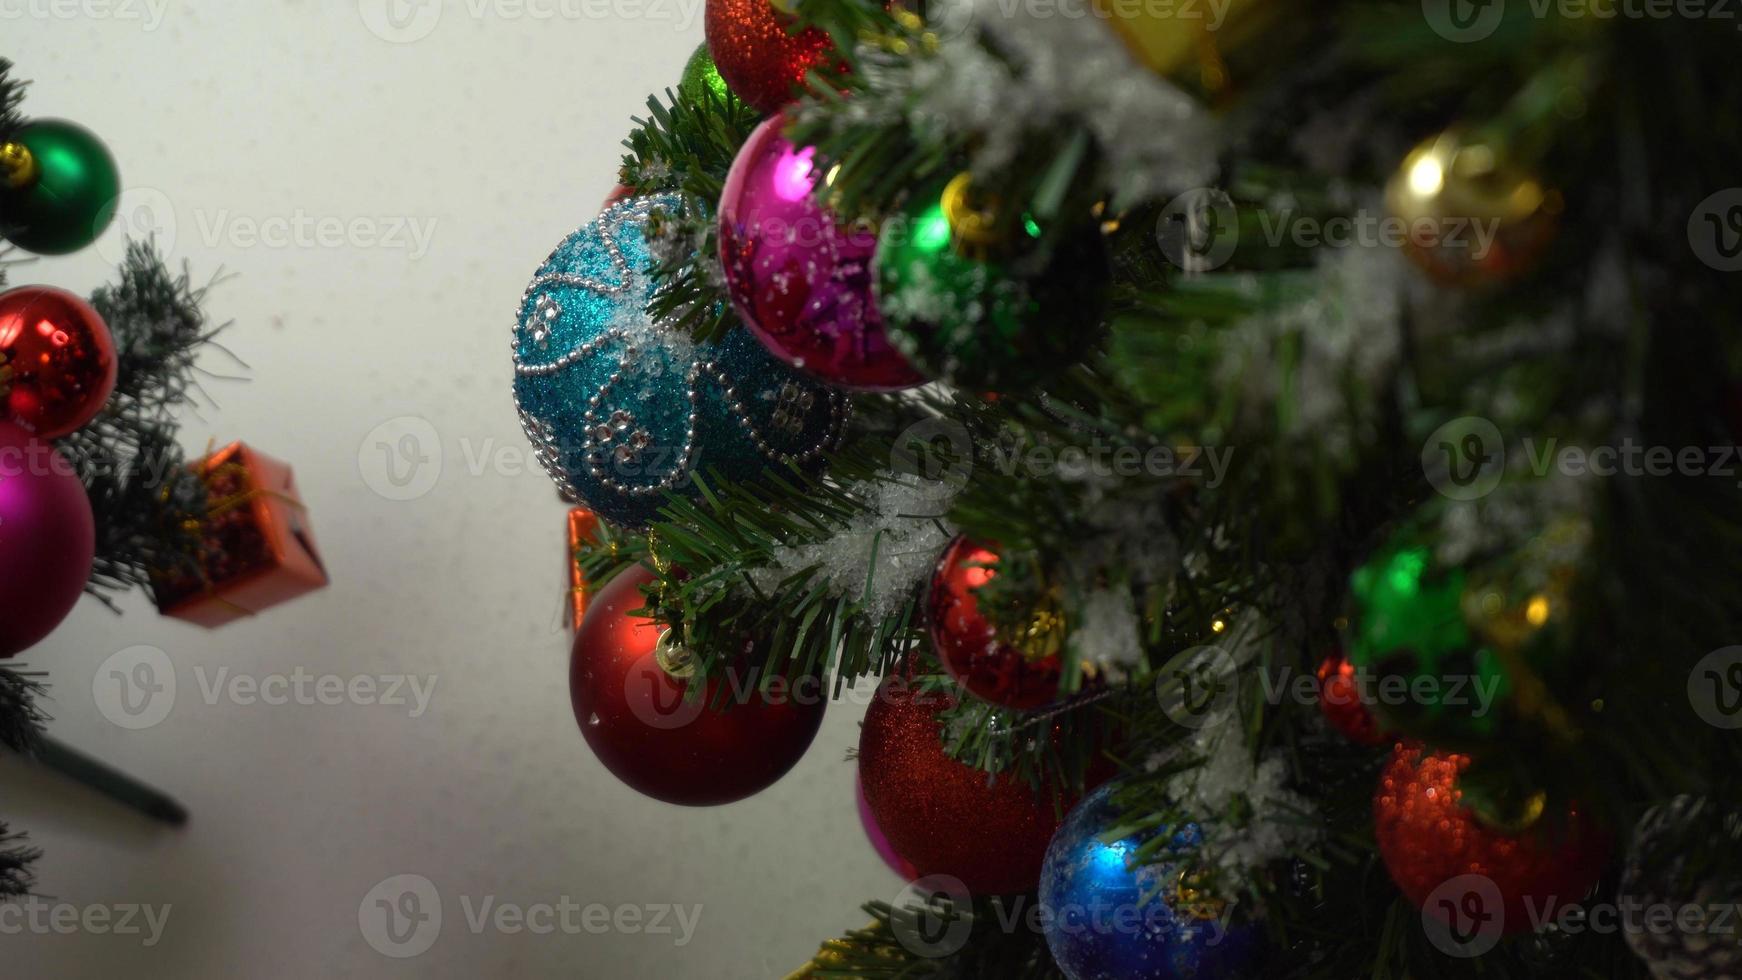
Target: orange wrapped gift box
x,y
256,546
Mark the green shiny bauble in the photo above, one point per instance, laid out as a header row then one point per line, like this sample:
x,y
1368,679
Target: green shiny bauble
x,y
700,76
1426,671
984,300
62,193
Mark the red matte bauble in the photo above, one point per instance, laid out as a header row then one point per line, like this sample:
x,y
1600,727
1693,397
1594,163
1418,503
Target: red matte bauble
x,y
47,539
619,194
637,720
760,62
966,642
1428,837
61,359
1340,701
943,817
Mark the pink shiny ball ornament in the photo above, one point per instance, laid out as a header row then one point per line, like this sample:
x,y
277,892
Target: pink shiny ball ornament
x,y
47,539
880,841
800,280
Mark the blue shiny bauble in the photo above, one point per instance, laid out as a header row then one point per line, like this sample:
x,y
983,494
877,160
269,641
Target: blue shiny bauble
x,y
621,408
1109,921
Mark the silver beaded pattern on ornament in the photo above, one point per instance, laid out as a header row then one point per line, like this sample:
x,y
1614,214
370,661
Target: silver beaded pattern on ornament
x,y
617,434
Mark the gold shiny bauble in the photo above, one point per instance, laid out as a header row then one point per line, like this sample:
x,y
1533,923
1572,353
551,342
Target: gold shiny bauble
x,y
1180,39
1192,898
1512,815
18,167
1470,216
972,215
1508,604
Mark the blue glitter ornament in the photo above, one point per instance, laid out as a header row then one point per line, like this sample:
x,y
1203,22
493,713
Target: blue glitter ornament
x,y
1108,921
621,409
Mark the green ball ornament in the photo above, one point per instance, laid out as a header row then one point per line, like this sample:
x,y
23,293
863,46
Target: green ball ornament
x,y
1411,641
701,76
58,187
983,300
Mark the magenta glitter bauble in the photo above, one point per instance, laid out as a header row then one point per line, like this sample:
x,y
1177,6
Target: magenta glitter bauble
x,y
47,539
800,280
880,842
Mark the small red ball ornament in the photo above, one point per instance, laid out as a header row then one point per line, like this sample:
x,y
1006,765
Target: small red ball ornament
x,y
967,644
635,716
47,539
942,817
58,364
760,62
1430,840
1340,701
619,194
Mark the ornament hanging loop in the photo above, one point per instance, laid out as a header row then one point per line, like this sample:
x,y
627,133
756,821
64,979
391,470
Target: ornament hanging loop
x,y
673,656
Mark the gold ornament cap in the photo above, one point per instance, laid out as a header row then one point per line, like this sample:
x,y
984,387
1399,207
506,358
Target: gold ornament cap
x,y
18,166
1470,215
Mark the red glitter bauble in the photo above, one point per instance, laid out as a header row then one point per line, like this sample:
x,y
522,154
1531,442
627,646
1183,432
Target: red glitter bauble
x,y
636,718
1340,701
760,62
1428,838
57,360
943,817
966,643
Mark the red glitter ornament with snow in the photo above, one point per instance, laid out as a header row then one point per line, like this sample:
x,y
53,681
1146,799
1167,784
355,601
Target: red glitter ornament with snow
x,y
943,817
760,61
1434,845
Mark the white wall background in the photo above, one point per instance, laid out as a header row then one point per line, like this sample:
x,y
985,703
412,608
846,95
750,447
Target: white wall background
x,y
496,131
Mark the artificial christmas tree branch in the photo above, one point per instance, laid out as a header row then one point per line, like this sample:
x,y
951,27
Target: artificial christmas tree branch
x,y
1354,519
145,499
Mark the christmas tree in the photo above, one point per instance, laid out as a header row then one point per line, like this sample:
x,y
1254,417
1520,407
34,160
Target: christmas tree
x,y
97,496
1274,460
